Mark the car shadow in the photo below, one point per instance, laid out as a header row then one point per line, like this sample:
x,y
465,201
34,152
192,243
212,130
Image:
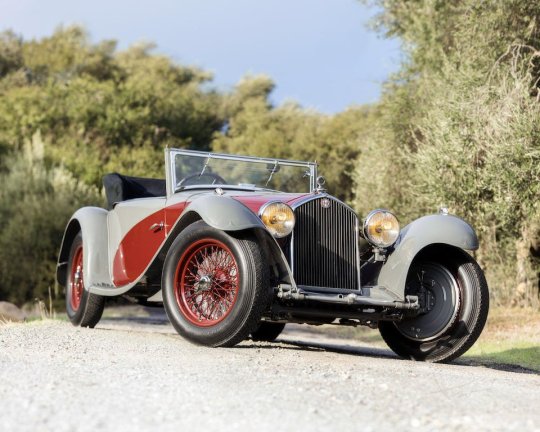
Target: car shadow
x,y
343,349
156,321
382,353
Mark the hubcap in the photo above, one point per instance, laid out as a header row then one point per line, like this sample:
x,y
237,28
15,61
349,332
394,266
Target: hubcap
x,y
206,282
439,293
76,282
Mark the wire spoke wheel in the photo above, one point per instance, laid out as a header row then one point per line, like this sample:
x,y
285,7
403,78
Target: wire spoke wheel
x,y
76,281
206,282
82,307
215,285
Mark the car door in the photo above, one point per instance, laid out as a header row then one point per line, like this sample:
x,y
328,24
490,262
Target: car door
x,y
136,230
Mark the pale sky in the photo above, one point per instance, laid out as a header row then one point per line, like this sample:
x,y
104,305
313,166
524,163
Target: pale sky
x,y
319,52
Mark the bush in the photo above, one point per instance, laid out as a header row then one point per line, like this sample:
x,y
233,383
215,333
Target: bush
x,y
36,202
459,127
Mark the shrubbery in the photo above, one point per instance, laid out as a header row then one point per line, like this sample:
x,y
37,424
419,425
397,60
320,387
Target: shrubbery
x,y
458,126
36,201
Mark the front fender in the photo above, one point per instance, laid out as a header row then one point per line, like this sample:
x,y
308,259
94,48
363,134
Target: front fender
x,y
224,213
92,222
227,214
425,231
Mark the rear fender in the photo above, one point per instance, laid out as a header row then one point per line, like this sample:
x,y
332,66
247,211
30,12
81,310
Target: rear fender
x,y
92,222
423,232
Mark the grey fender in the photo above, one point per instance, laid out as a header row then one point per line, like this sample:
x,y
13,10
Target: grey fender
x,y
425,231
227,214
92,222
224,213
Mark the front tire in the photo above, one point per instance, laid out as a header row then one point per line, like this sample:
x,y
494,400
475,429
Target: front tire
x,y
215,285
458,299
82,307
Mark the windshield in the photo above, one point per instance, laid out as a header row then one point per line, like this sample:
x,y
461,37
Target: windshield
x,y
192,169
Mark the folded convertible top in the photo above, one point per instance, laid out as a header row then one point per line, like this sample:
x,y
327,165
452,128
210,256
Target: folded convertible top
x,y
121,188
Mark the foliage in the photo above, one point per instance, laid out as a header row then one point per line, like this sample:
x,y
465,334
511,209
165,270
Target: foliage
x,y
35,203
93,103
456,126
255,127
459,124
99,110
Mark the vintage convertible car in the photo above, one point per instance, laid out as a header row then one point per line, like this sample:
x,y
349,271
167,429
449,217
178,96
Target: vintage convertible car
x,y
237,246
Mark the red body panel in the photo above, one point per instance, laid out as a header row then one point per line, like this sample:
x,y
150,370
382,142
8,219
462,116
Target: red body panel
x,y
172,213
137,249
140,245
255,202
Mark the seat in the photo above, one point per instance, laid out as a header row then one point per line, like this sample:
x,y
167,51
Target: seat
x,y
122,188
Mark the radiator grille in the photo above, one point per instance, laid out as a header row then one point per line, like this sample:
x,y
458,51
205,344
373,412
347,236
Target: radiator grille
x,y
325,245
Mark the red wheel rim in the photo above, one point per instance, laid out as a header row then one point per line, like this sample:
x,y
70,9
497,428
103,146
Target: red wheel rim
x,y
206,282
76,282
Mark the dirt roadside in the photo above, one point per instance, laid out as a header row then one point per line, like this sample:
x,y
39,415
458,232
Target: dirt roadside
x,y
138,374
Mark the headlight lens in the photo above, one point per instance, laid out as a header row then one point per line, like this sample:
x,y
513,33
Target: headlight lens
x,y
381,228
278,218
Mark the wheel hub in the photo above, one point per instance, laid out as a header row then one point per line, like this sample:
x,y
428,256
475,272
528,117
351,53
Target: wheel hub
x,y
78,276
76,285
438,292
204,283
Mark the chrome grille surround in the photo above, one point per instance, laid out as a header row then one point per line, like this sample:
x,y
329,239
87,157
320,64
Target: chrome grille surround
x,y
324,244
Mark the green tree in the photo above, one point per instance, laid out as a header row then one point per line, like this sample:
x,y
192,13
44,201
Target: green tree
x,y
96,105
256,127
36,201
459,126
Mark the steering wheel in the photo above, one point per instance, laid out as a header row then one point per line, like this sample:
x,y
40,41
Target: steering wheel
x,y
217,178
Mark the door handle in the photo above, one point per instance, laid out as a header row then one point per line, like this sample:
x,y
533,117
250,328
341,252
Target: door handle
x,y
157,227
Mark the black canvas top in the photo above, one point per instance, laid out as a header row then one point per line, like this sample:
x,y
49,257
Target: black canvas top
x,y
121,188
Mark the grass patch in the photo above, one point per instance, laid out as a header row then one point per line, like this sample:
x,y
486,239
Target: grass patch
x,y
520,353
511,336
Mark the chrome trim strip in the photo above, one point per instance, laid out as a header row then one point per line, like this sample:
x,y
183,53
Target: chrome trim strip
x,y
171,172
168,181
315,196
239,157
357,228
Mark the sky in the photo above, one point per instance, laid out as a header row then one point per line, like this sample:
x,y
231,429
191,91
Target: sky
x,y
319,53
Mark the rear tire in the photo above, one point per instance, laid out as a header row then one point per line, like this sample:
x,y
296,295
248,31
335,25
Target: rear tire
x,y
215,285
267,331
453,327
82,307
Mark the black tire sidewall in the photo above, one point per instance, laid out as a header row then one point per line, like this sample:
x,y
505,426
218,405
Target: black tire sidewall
x,y
471,318
224,330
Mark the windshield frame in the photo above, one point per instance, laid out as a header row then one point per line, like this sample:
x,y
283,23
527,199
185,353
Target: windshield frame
x,y
170,171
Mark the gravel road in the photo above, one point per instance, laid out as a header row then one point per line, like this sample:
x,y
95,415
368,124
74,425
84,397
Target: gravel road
x,y
139,375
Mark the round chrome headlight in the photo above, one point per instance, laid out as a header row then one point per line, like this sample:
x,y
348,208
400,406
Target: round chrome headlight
x,y
381,228
278,218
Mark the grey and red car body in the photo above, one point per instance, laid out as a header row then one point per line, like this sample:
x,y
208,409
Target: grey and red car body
x,y
231,259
